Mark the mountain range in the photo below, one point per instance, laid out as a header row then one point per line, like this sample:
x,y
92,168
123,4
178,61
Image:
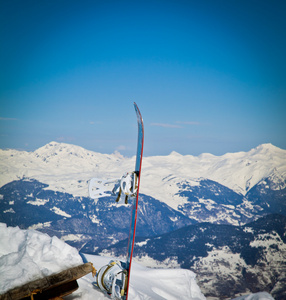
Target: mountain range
x,y
206,212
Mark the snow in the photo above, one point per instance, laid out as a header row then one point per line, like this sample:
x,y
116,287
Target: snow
x,y
11,210
224,263
60,212
270,242
72,237
148,283
27,255
39,202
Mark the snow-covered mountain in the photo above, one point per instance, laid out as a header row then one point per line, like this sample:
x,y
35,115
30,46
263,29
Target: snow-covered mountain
x,y
47,189
66,167
217,189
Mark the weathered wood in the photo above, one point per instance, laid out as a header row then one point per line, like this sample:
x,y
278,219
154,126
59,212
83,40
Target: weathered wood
x,y
56,285
57,291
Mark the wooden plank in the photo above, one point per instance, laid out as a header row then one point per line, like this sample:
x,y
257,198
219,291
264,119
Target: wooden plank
x,y
64,276
56,291
63,282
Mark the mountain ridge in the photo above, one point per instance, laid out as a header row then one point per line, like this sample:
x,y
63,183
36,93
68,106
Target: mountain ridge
x,y
259,161
170,179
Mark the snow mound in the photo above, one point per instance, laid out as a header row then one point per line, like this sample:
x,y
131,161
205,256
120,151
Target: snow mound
x,y
28,255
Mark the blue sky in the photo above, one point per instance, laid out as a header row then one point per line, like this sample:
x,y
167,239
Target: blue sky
x,y
208,76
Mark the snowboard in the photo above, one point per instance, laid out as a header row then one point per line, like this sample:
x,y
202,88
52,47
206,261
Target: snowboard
x,y
138,164
128,186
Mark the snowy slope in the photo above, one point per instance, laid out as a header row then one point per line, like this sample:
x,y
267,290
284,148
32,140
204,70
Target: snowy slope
x,y
237,171
63,167
159,284
67,168
28,255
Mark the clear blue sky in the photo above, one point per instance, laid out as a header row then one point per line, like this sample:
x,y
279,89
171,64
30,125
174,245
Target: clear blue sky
x,y
208,76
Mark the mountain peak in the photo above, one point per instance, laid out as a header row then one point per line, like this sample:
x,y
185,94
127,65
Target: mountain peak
x,y
174,153
53,143
267,148
53,147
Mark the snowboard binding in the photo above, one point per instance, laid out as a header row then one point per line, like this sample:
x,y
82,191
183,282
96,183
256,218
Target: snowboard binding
x,y
127,185
112,280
